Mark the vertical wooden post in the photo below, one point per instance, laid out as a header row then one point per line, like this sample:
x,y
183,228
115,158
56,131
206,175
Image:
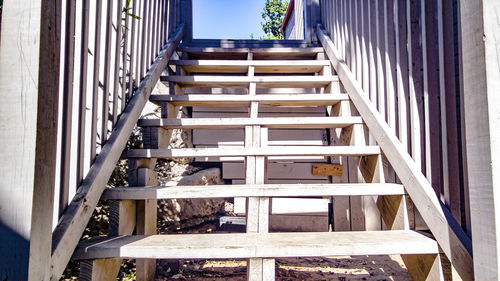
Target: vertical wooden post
x,y
29,83
187,19
481,81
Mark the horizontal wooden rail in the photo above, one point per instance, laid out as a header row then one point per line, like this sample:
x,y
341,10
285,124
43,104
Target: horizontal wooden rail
x,y
231,123
259,190
255,151
450,236
78,213
245,100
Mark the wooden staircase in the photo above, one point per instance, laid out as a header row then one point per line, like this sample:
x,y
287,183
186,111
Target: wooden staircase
x,y
256,71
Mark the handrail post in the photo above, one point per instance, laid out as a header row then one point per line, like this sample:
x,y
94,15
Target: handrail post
x,y
29,100
187,19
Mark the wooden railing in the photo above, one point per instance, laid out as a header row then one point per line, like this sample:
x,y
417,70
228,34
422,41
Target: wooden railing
x,y
451,238
113,53
108,47
405,56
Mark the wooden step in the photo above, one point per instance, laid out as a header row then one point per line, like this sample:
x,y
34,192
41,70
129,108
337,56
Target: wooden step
x,y
255,151
257,245
281,53
232,123
199,81
259,190
245,100
261,66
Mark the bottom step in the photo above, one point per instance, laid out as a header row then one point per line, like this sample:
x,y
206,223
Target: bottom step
x,y
258,245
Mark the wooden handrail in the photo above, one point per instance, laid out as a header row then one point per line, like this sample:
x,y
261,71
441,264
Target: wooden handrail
x,y
78,213
452,239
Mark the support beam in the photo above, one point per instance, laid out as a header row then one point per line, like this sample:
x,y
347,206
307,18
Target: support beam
x,y
29,83
481,81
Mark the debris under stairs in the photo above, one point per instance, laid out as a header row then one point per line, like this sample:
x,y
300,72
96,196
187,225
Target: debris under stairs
x,y
305,78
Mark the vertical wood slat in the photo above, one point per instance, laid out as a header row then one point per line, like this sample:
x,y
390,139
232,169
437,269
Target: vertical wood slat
x,y
149,18
83,91
431,88
107,72
133,57
126,70
390,57
379,50
116,72
401,70
142,42
370,14
414,79
67,104
95,80
455,177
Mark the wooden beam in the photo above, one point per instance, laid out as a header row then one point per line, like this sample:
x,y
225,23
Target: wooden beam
x,y
451,238
481,81
79,211
257,190
29,95
232,123
244,81
255,151
259,245
245,100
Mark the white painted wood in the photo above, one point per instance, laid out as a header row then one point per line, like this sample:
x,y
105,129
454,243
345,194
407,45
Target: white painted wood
x,y
244,81
231,123
244,100
254,151
260,245
481,81
73,223
455,244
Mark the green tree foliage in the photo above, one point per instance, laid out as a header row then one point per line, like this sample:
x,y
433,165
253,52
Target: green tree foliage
x,y
273,15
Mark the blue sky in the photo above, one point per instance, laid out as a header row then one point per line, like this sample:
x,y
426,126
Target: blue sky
x,y
227,19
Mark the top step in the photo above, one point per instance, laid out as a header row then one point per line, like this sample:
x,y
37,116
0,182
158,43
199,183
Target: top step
x,y
277,53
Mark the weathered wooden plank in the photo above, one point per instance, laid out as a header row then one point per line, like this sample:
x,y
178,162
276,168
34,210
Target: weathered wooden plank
x,y
448,233
260,245
259,190
254,151
481,76
241,66
327,170
245,100
232,123
244,81
29,94
78,213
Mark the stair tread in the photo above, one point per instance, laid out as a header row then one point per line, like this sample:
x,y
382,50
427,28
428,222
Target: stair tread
x,y
255,151
261,66
293,81
242,100
274,122
258,53
258,245
258,190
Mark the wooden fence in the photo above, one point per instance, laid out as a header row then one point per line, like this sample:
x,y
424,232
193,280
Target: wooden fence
x,y
405,55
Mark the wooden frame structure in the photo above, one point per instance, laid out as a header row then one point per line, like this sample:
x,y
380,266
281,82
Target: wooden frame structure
x,y
54,93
